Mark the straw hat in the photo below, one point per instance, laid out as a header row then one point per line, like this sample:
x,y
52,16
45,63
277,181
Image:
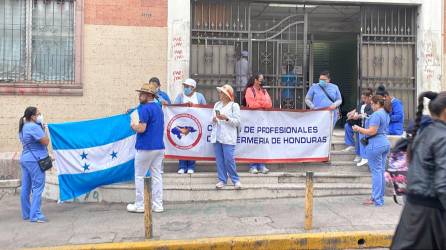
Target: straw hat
x,y
227,90
150,87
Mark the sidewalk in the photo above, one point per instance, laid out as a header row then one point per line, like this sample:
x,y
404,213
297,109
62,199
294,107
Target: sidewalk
x,y
96,223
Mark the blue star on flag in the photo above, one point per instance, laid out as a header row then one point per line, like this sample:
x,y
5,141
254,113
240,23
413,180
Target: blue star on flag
x,y
114,155
86,167
84,156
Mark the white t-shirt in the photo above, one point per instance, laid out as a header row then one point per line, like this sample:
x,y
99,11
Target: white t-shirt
x,y
193,99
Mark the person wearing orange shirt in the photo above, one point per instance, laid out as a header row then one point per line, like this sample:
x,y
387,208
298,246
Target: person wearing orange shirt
x,y
256,97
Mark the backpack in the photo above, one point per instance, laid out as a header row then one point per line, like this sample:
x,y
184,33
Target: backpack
x,y
396,173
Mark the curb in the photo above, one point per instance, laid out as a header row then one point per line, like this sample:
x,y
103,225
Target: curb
x,y
328,240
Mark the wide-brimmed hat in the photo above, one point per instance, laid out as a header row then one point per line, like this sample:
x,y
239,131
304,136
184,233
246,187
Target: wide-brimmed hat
x,y
227,90
150,87
190,82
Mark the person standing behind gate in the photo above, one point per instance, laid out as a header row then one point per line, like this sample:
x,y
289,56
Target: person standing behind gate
x,y
225,127
34,140
324,95
377,146
149,149
189,96
256,97
396,126
423,220
241,73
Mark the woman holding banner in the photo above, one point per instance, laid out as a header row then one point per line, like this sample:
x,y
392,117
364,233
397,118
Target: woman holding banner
x,y
189,96
225,127
377,146
256,97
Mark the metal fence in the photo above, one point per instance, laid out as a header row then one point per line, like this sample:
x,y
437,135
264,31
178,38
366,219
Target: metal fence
x,y
37,42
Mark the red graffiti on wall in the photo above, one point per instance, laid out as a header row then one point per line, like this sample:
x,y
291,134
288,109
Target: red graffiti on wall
x,y
177,74
178,53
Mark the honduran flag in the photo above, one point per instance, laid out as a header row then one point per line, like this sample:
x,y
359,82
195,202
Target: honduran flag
x,y
92,153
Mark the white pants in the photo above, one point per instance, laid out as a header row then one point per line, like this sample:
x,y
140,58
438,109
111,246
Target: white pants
x,y
145,160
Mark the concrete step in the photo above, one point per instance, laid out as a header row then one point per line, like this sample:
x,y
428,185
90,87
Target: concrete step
x,y
171,166
201,187
271,178
175,193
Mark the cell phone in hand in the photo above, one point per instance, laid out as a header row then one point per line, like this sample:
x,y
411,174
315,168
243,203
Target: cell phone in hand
x,y
217,112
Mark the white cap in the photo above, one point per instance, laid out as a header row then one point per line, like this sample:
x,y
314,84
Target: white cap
x,y
190,82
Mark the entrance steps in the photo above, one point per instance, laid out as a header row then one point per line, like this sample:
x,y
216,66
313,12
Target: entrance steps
x,y
339,177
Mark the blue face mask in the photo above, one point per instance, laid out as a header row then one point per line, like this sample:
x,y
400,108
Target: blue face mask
x,y
323,83
187,90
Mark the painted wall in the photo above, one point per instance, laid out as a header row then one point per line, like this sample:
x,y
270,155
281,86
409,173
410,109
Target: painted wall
x,y
125,43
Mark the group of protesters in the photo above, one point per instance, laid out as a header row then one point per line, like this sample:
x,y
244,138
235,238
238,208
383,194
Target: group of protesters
x,y
367,129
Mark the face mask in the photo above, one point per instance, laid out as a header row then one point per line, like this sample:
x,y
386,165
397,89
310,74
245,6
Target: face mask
x,y
158,90
39,119
187,91
323,83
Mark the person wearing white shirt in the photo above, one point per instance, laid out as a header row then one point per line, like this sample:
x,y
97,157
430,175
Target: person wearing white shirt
x,y
189,96
225,126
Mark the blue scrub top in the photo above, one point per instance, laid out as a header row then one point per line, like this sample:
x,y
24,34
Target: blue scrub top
x,y
30,137
380,119
318,97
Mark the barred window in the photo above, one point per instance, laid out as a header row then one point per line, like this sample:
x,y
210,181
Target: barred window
x,y
37,43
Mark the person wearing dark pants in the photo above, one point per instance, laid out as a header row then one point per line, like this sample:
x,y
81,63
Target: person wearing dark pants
x,y
377,148
189,96
34,140
225,125
423,220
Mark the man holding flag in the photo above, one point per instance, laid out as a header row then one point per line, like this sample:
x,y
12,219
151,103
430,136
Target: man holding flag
x,y
149,126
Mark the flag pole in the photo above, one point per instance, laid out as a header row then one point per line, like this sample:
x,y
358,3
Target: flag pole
x,y
148,226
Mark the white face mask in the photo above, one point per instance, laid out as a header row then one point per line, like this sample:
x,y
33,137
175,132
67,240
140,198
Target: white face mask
x,y
39,119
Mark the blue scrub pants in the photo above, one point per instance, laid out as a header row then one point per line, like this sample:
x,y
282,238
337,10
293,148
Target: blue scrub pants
x,y
33,183
186,165
377,156
258,166
225,158
353,139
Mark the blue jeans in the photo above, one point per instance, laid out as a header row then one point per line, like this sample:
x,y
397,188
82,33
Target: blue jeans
x,y
377,157
33,183
225,159
258,166
186,165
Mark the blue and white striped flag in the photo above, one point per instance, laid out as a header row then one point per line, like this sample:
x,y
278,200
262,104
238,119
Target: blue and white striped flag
x,y
92,153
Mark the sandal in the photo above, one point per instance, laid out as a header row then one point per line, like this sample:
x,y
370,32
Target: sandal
x,y
368,202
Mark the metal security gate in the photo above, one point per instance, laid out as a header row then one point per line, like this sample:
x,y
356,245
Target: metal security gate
x,y
386,53
221,30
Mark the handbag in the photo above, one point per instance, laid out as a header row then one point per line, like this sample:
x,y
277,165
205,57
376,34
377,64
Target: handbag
x,y
45,163
333,101
365,140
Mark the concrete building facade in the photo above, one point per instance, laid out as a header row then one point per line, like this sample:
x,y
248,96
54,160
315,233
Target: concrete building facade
x,y
118,45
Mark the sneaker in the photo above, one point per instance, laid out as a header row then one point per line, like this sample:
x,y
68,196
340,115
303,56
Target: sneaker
x,y
357,159
41,220
133,209
181,171
158,209
238,185
253,171
190,171
220,185
265,170
348,149
362,162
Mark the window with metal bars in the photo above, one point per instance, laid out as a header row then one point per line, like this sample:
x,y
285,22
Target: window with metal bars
x,y
37,43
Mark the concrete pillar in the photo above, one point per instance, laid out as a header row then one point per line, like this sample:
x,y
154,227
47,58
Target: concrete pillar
x,y
178,22
429,47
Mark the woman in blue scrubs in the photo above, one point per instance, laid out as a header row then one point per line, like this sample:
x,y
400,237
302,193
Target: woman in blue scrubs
x,y
378,146
35,141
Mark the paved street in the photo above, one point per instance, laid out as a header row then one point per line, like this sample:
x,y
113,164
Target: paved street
x,y
93,223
